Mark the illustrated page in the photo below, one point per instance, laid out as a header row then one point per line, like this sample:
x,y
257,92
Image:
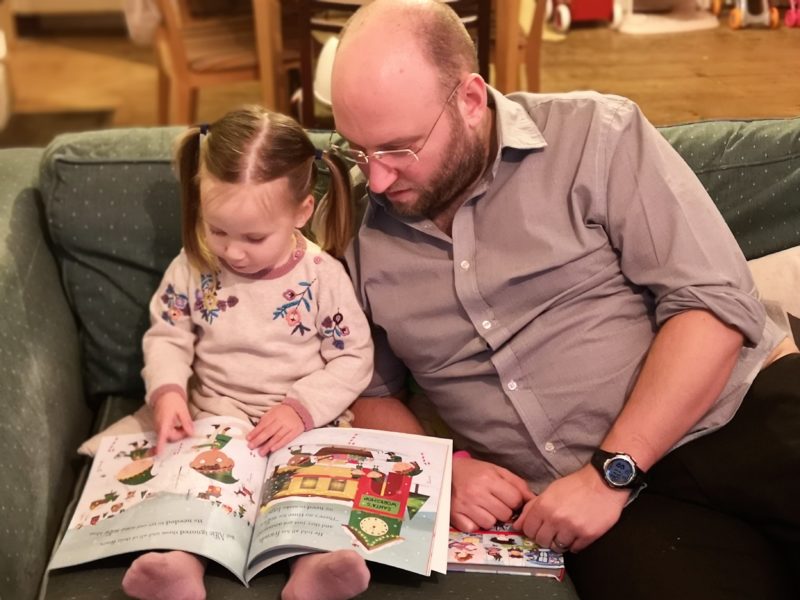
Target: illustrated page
x,y
200,495
379,493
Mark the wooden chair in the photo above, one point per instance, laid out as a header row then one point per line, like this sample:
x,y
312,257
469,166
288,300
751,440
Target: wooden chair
x,y
329,16
201,49
523,49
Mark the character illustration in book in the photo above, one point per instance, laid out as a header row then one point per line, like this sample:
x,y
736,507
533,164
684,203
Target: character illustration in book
x,y
141,469
495,552
214,463
213,491
243,491
109,497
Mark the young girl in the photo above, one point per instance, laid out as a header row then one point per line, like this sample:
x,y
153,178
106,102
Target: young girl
x,y
254,320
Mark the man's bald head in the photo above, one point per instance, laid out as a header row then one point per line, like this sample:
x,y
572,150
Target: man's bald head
x,y
426,29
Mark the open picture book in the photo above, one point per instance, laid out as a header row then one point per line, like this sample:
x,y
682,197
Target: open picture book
x,y
384,494
502,550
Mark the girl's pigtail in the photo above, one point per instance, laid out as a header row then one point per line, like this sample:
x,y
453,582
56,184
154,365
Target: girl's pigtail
x,y
336,225
187,159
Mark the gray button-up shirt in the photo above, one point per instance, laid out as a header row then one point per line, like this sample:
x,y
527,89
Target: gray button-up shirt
x,y
528,326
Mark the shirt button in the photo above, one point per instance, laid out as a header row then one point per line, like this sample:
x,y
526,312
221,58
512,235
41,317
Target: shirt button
x,y
487,324
550,447
465,264
512,385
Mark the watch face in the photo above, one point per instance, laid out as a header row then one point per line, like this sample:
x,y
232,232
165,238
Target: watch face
x,y
619,471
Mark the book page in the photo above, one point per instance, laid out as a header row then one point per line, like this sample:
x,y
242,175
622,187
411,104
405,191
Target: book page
x,y
379,493
200,495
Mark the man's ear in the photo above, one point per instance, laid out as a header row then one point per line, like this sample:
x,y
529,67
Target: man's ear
x,y
473,100
304,211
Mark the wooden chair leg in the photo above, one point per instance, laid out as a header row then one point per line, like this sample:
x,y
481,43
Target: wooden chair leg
x,y
163,97
180,109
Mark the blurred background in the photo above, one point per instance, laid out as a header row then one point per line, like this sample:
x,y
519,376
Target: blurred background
x,y
72,65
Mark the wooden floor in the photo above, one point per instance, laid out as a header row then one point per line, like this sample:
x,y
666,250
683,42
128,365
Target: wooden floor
x,y
675,78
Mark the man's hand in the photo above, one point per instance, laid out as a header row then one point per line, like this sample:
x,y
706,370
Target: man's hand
x,y
484,493
277,427
572,512
172,419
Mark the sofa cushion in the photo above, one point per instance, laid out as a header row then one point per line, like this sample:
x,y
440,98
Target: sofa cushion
x,y
113,212
751,169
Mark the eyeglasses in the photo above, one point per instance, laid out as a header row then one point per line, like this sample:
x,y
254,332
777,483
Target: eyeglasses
x,y
393,159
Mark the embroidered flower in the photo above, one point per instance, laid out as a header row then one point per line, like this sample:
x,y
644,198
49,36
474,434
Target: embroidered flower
x,y
332,328
206,300
176,305
290,310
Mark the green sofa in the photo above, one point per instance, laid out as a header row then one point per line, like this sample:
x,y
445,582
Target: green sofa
x,y
89,224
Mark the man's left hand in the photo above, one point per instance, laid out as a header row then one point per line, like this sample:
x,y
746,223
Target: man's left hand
x,y
572,512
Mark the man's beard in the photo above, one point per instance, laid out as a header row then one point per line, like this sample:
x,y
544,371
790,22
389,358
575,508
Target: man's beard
x,y
460,169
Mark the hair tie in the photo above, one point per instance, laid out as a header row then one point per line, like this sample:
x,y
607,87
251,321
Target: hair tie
x,y
318,153
204,127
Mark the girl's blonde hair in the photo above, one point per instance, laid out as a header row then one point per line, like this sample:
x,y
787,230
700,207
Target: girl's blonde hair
x,y
253,145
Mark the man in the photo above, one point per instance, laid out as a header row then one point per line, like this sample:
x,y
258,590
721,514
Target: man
x,y
561,287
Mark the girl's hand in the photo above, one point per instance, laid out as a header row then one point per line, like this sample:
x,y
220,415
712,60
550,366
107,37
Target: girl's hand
x,y
277,427
172,418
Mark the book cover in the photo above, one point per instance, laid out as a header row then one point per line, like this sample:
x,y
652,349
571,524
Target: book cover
x,y
502,550
384,494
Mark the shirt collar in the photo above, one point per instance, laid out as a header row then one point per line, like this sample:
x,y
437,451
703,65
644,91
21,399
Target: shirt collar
x,y
516,132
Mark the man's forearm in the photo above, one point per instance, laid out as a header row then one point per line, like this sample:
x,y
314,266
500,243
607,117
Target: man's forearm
x,y
686,369
387,413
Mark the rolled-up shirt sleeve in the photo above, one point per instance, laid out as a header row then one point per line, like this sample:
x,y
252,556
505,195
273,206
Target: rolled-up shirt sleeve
x,y
669,234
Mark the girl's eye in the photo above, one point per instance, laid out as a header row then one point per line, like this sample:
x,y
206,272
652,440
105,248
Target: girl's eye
x,y
256,238
213,231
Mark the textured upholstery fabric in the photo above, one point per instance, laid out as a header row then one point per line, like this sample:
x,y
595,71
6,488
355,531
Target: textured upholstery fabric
x,y
752,171
44,413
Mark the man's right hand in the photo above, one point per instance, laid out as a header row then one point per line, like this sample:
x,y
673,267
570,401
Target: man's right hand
x,y
172,419
484,494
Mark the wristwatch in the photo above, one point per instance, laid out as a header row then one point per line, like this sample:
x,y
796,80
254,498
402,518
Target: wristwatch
x,y
619,470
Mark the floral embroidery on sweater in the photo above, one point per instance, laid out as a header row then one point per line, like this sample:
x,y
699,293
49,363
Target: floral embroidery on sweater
x,y
332,328
290,310
177,305
206,300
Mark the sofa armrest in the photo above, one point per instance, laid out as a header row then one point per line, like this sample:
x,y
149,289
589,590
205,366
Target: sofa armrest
x,y
45,416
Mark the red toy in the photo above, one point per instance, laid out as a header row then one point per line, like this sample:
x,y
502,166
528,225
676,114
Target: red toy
x,y
792,16
567,12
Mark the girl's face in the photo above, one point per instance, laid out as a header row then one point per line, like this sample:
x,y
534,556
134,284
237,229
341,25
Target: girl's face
x,y
250,227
